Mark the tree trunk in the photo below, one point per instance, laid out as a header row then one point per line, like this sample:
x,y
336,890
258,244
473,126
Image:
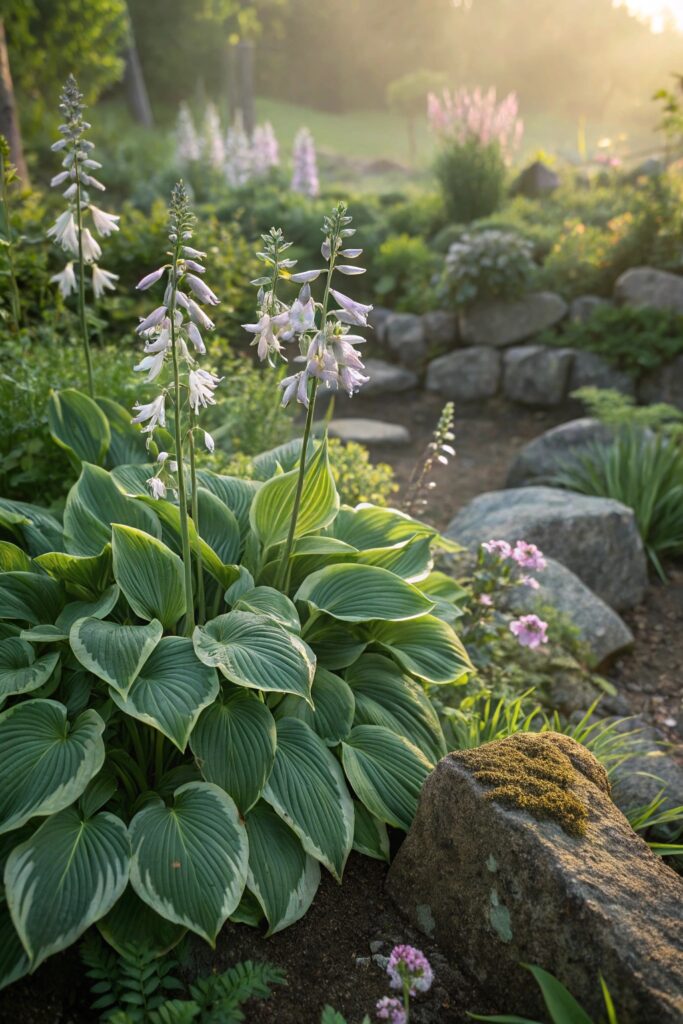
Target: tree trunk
x,y
136,88
9,115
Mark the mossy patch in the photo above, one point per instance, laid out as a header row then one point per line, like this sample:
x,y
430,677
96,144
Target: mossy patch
x,y
537,773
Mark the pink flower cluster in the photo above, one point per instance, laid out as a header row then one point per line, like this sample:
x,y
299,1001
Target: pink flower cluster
x,y
530,630
527,556
389,1008
464,115
406,963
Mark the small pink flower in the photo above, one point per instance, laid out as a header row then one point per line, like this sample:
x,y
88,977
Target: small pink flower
x,y
501,548
389,1008
486,600
529,581
530,630
527,556
406,963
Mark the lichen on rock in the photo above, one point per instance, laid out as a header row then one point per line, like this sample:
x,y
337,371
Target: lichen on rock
x,y
536,772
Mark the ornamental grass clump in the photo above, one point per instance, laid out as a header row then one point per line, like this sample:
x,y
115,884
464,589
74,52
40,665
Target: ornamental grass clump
x,y
69,231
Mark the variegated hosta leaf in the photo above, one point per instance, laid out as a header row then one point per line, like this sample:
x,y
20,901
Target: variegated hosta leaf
x,y
13,558
370,835
386,772
409,559
282,876
112,652
85,576
426,647
308,791
93,504
99,609
78,426
234,745
234,492
64,878
335,644
171,690
369,526
149,574
32,525
357,593
14,963
218,526
45,761
30,597
130,916
190,860
20,670
271,603
331,716
253,651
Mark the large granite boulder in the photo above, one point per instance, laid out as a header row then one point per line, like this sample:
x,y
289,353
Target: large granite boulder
x,y
664,384
517,854
540,458
368,431
645,286
501,323
404,334
596,538
387,378
591,370
377,321
441,328
651,771
603,631
466,375
537,376
583,306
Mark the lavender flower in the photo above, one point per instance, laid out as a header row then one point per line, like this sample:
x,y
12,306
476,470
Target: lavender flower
x,y
530,631
528,556
408,967
265,152
499,548
305,165
389,1008
188,146
212,148
238,161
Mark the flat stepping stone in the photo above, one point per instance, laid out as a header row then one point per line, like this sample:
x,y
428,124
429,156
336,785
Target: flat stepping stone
x,y
387,379
366,431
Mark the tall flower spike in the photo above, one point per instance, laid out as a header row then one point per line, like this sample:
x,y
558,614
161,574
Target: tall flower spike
x,y
188,149
239,155
305,165
69,230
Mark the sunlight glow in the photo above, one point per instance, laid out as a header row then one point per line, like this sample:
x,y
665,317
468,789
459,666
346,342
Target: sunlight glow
x,y
656,11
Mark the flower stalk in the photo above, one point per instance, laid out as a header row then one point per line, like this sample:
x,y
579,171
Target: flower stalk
x,y
8,174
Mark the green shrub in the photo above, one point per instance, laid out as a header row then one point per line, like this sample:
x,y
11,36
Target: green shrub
x,y
471,177
620,410
403,271
636,340
486,265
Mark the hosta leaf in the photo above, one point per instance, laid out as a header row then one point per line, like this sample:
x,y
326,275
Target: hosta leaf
x,y
234,745
331,717
45,761
271,603
44,634
284,457
127,443
313,553
13,559
384,695
14,963
335,644
79,426
242,584
190,860
369,526
249,911
426,647
271,511
98,609
282,876
356,593
171,690
37,530
307,789
234,492
85,576
112,652
93,504
64,878
149,574
130,916
370,835
218,526
30,597
132,478
20,670
386,772
253,651
409,559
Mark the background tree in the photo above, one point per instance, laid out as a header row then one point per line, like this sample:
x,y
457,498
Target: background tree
x,y
407,96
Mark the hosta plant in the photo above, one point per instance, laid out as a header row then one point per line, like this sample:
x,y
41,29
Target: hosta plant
x,y
153,782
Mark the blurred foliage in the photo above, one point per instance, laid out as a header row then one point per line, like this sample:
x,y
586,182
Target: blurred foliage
x,y
471,177
486,265
403,271
636,340
620,410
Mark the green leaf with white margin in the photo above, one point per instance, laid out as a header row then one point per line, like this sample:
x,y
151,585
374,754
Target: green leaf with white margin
x,y
282,876
171,690
284,457
253,651
149,574
130,916
335,645
409,559
272,508
233,491
385,695
370,836
271,603
30,597
113,652
190,860
98,609
386,772
64,878
32,525
85,576
14,963
20,670
234,745
13,559
243,583
307,789
78,426
331,717
45,761
93,504
218,526
358,593
127,444
369,526
426,647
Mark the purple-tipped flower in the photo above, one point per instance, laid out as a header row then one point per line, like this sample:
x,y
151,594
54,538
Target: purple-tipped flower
x,y
408,965
202,290
305,165
528,556
529,581
499,548
530,630
152,320
188,147
351,312
391,1009
151,279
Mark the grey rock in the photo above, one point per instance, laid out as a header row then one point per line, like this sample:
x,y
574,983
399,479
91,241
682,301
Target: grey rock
x,y
596,538
387,378
405,336
441,328
367,431
500,323
591,370
664,384
643,777
377,945
536,181
363,962
583,307
501,887
652,167
542,457
645,286
377,320
599,626
466,375
537,376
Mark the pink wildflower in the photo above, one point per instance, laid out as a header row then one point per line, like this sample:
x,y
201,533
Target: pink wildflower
x,y
530,630
389,1008
486,600
527,556
529,581
501,548
406,963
